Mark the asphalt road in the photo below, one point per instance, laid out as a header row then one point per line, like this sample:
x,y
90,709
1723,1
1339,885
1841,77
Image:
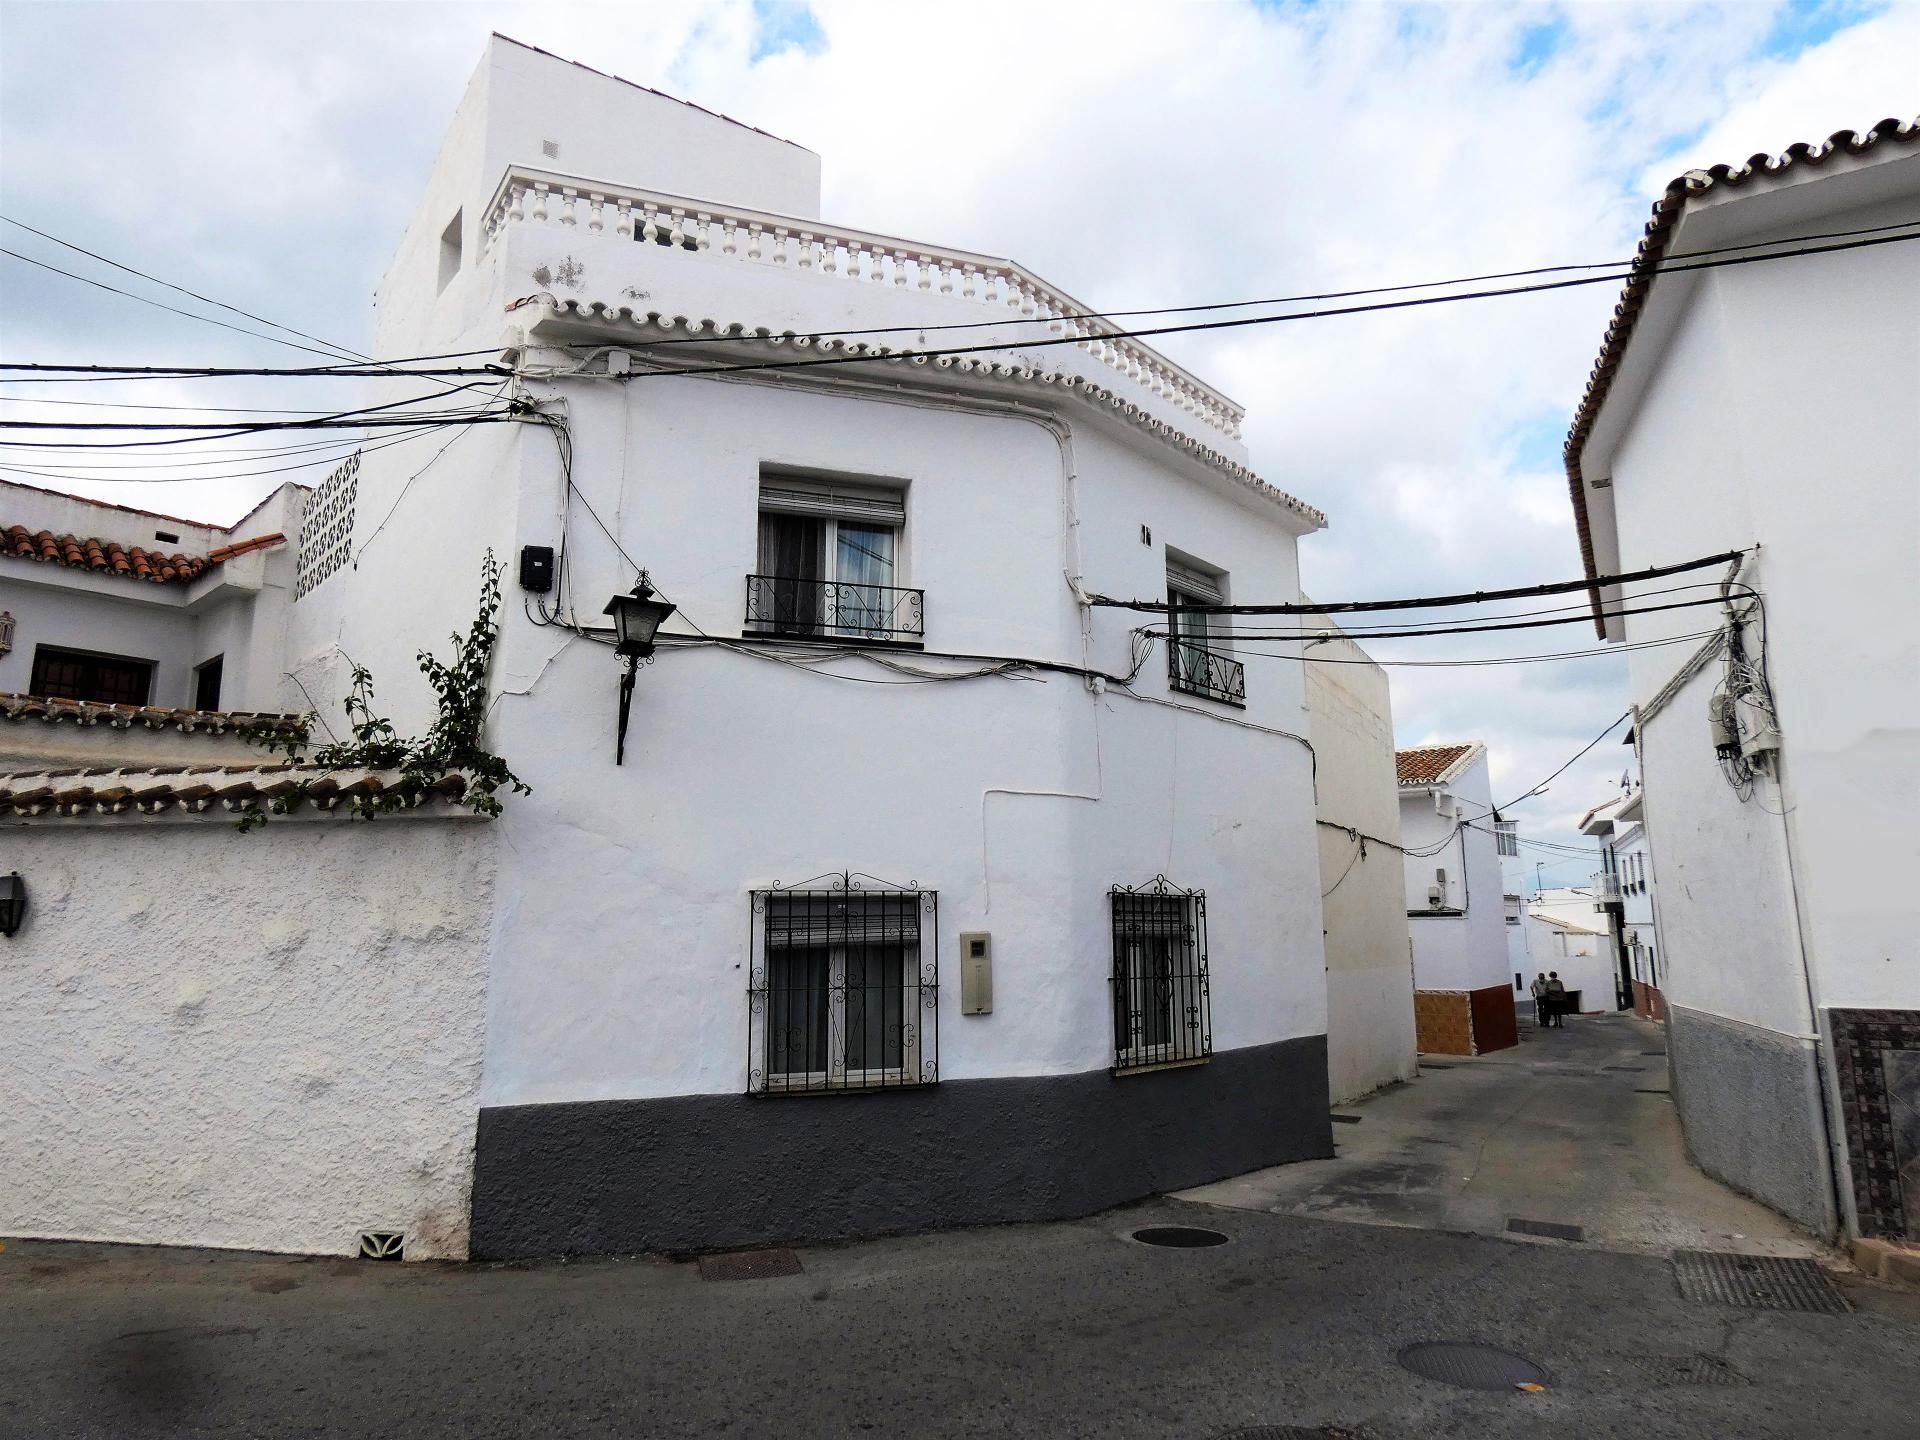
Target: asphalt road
x,y
1047,1330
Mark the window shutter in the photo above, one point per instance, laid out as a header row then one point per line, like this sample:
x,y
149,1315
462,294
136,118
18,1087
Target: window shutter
x,y
1195,583
862,505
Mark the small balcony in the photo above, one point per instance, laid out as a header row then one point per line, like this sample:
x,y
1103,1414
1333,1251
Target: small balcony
x,y
1606,887
798,608
1194,669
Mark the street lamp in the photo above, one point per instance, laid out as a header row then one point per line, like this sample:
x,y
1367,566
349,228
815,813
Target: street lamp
x,y
636,621
13,902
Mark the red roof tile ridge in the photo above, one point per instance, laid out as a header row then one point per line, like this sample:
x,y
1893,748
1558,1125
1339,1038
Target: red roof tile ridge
x,y
1667,211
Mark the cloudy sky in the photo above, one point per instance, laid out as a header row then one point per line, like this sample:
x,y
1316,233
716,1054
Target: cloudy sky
x,y
1137,154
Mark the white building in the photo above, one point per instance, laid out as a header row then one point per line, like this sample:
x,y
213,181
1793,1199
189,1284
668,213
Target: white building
x,y
900,809
1625,883
1463,990
1370,1031
1513,907
1569,934
1767,408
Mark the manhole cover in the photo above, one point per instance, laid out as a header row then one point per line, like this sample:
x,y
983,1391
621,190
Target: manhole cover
x,y
1470,1366
749,1265
1758,1282
1552,1229
1683,1370
1179,1237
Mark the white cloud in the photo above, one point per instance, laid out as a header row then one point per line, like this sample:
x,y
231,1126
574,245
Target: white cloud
x,y
1137,154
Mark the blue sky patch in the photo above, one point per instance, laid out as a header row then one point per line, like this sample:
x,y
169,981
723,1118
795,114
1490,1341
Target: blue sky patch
x,y
1537,44
782,25
1803,24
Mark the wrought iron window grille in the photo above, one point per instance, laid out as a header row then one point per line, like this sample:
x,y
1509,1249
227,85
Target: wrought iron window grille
x,y
1197,669
1161,991
843,989
834,610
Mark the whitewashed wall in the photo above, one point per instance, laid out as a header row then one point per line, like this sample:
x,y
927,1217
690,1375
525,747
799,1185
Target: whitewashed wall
x,y
1456,952
267,1041
1370,1031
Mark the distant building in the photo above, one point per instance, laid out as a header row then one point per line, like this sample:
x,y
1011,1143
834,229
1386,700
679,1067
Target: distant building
x,y
1370,1030
1767,410
1568,933
1513,907
1463,989
1625,885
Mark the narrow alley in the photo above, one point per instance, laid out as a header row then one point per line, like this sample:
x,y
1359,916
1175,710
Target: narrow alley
x,y
1570,1136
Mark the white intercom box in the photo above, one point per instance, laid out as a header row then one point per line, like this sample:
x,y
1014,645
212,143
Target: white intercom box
x,y
976,973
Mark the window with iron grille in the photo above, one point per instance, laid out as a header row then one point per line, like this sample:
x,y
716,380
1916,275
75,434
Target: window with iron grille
x,y
1160,988
844,986
1198,661
829,556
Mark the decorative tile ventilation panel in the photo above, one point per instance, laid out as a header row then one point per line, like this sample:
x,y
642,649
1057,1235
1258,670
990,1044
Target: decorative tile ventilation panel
x,y
326,531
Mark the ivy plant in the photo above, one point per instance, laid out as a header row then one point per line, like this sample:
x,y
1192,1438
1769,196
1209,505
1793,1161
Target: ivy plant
x,y
452,744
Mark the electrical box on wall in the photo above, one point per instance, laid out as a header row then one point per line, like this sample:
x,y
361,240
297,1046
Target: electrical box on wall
x,y
976,973
536,568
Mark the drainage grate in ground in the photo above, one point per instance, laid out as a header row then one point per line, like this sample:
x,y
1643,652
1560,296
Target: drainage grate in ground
x,y
1758,1282
1345,1119
1683,1370
1640,1091
1661,1053
1551,1229
1470,1366
1297,1432
749,1265
1635,1069
1436,1065
1179,1237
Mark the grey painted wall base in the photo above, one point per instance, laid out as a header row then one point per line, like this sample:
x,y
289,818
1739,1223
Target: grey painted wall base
x,y
712,1171
1749,1103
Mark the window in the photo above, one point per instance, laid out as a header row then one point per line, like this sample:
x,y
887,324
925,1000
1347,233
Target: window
x,y
1506,836
843,991
828,559
450,250
1160,988
78,675
1513,909
1197,658
206,684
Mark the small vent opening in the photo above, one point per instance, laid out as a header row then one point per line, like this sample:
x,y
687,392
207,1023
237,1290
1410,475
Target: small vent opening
x,y
550,149
383,1245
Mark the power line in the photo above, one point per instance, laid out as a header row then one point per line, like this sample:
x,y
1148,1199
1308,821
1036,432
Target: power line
x,y
1570,764
1490,660
1624,267
1376,307
339,451
373,369
1577,619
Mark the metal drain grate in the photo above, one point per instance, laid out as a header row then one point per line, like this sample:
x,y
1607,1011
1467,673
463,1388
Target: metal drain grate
x,y
1470,1366
1758,1282
1661,1053
1297,1432
1683,1370
1639,1090
1345,1119
1632,1069
1436,1065
749,1265
1179,1237
1549,1228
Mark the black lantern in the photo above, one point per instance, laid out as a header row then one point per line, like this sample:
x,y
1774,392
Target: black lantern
x,y
13,902
636,621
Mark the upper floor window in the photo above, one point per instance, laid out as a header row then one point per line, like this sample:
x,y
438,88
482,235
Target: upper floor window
x,y
843,992
1197,658
1513,909
80,675
206,683
829,559
1161,990
1506,836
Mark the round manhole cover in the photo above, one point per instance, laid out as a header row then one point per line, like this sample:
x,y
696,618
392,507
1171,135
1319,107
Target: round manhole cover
x,y
1470,1366
1179,1237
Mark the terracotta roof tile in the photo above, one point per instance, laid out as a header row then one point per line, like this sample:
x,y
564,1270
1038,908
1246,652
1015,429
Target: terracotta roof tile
x,y
245,547
103,557
1433,764
202,789
1646,262
152,717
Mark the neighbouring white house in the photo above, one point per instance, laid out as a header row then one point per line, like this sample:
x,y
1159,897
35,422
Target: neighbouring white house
x,y
1463,990
903,885
1370,1032
1569,934
1625,884
1513,908
1767,408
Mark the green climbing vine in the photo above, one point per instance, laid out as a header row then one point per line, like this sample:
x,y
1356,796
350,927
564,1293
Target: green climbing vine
x,y
451,746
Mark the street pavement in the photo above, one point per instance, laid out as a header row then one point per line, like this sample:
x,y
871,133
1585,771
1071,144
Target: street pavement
x,y
1061,1330
1561,1128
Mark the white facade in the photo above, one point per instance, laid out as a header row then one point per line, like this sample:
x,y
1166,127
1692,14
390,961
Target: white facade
x,y
1568,932
1370,1030
1784,918
1459,943
1015,751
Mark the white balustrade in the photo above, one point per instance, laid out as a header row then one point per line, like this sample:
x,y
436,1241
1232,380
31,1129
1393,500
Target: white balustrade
x,y
540,198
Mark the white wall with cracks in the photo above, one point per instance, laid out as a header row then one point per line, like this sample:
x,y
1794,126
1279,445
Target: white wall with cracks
x,y
262,1041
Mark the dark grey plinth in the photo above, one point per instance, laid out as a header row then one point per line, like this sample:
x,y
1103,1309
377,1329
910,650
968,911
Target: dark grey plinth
x,y
710,1171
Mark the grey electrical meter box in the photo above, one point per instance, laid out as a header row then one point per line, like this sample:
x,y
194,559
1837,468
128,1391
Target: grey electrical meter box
x,y
976,973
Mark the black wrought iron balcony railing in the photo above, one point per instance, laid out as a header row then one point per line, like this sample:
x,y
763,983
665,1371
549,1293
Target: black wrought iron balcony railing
x,y
834,609
1197,670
